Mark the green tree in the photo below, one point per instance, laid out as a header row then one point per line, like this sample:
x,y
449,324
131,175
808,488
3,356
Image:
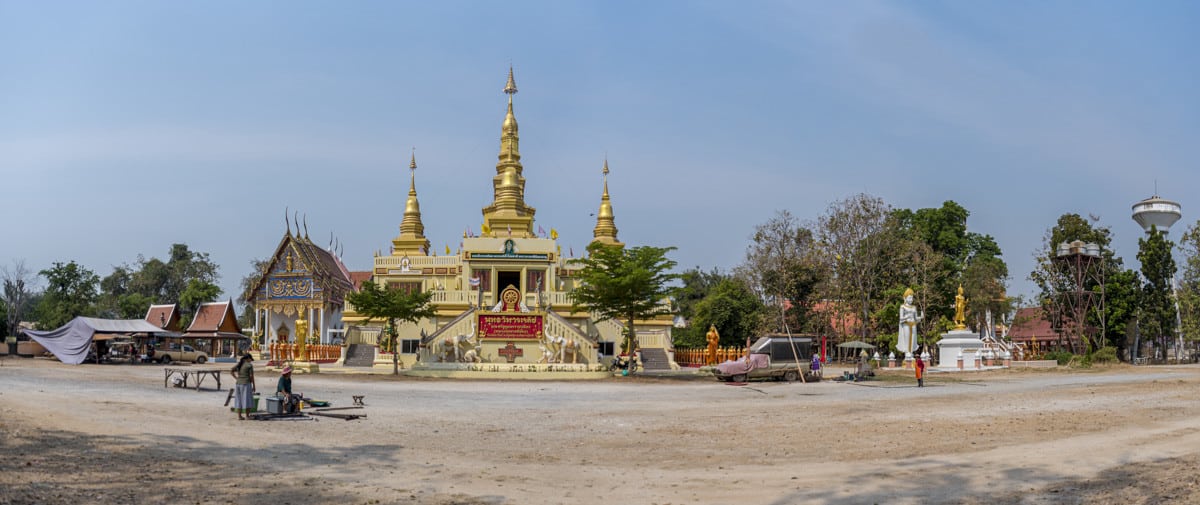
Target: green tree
x,y
696,284
1157,317
187,278
733,308
783,268
1115,287
70,292
628,283
1122,298
1189,284
196,293
857,239
116,300
954,256
391,305
166,282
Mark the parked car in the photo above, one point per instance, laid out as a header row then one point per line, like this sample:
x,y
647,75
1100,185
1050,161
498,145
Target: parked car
x,y
772,357
177,352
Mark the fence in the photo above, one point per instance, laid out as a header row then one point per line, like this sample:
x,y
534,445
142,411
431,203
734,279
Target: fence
x,y
696,356
316,353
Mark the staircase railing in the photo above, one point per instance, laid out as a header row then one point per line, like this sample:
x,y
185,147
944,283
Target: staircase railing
x,y
460,325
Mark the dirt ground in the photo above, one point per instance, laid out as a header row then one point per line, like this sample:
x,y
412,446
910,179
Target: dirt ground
x,y
114,434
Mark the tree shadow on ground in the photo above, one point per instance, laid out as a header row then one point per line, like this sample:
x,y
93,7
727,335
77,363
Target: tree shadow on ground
x,y
1168,481
61,467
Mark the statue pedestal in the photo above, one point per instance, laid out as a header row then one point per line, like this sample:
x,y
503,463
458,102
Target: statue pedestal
x,y
956,345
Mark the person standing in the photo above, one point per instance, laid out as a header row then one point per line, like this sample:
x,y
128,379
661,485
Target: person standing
x,y
244,388
920,368
816,364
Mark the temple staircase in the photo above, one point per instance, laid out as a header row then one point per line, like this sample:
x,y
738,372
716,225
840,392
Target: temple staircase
x,y
360,355
655,359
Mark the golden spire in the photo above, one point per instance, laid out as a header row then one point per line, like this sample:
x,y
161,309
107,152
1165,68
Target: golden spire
x,y
606,228
412,239
508,210
511,86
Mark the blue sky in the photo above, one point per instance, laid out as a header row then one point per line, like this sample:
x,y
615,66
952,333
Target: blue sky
x,y
127,126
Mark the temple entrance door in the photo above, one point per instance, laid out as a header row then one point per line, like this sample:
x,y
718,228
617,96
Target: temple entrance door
x,y
505,279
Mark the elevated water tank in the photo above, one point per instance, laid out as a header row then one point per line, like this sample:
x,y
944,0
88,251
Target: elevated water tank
x,y
1157,212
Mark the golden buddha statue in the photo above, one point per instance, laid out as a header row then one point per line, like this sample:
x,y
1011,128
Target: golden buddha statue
x,y
302,338
714,339
960,308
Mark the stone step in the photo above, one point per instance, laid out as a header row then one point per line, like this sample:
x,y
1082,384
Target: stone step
x,y
655,359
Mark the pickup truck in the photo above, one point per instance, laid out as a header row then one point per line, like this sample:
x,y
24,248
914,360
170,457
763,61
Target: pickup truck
x,y
175,352
771,357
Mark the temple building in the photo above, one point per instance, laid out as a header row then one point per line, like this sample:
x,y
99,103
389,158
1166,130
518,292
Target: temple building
x,y
503,297
302,283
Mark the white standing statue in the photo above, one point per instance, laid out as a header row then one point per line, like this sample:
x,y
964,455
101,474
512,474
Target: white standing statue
x,y
908,325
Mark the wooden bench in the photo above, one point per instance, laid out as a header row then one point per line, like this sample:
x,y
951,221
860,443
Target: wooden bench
x,y
185,373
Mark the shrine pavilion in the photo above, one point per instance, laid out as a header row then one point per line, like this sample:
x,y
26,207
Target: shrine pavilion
x,y
301,293
502,300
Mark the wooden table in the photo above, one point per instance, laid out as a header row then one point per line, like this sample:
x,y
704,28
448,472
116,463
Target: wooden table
x,y
199,374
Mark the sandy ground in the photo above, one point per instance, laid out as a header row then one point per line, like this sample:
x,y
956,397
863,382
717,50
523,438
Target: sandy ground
x,y
114,434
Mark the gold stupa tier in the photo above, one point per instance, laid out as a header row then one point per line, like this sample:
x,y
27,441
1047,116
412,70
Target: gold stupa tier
x,y
508,212
606,227
411,240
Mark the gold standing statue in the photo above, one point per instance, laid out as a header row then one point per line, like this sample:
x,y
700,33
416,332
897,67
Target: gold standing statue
x,y
714,339
301,338
960,308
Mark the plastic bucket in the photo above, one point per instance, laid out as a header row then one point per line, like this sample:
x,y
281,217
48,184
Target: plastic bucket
x,y
253,406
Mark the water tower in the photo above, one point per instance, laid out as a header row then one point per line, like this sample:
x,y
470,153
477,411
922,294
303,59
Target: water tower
x,y
1160,213
1157,212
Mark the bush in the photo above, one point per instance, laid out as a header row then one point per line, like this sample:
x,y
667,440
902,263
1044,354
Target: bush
x,y
1062,357
1105,355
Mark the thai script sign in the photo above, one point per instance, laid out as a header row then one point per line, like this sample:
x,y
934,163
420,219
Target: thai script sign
x,y
510,326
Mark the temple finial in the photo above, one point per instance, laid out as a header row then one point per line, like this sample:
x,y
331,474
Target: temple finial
x,y
511,86
286,222
305,227
412,230
606,228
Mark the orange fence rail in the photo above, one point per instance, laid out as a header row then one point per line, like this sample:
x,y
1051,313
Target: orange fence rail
x,y
697,356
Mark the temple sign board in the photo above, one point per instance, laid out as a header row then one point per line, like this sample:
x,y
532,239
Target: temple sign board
x,y
510,320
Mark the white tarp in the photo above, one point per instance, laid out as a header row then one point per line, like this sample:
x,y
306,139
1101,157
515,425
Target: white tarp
x,y
73,340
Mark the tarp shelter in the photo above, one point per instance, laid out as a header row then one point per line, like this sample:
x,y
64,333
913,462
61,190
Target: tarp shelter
x,y
71,342
854,344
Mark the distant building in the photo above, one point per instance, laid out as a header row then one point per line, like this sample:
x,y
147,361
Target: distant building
x,y
1030,325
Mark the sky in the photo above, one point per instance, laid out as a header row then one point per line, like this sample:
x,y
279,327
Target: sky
x,y
128,126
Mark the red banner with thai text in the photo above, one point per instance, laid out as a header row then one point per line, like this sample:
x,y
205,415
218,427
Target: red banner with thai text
x,y
510,326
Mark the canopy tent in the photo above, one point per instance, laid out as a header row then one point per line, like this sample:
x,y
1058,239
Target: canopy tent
x,y
71,343
857,344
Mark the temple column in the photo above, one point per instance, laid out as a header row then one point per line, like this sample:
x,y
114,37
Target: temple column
x,y
323,331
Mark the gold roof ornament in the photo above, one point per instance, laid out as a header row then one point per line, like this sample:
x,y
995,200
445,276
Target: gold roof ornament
x,y
606,228
412,232
508,210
